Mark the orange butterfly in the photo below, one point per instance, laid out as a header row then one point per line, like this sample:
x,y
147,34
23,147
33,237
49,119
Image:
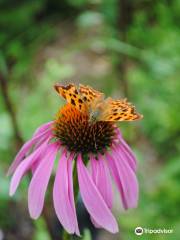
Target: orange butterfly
x,y
86,99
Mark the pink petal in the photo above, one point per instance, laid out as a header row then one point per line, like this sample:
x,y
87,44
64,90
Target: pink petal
x,y
126,146
24,166
93,200
128,149
95,223
24,150
39,182
94,177
71,193
35,165
118,132
125,179
125,154
94,164
41,140
42,128
63,195
101,177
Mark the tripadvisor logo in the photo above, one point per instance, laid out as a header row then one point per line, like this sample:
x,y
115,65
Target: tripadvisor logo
x,y
138,231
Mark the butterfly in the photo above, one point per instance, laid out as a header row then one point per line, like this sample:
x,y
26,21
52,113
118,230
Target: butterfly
x,y
88,100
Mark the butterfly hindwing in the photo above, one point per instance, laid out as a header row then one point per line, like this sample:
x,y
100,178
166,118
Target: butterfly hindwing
x,y
118,110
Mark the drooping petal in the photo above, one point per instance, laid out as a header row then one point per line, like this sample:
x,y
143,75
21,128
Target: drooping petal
x,y
40,180
125,154
126,147
43,128
35,165
94,174
116,177
71,192
63,195
93,200
24,150
42,140
93,166
101,177
95,223
24,166
125,179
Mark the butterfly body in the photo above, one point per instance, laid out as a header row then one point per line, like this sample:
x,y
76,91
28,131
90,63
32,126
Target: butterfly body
x,y
94,115
87,100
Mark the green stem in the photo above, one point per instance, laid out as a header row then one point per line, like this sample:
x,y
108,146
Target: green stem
x,y
75,183
66,236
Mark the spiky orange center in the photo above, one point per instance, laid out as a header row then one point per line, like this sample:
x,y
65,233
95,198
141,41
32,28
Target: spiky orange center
x,y
75,131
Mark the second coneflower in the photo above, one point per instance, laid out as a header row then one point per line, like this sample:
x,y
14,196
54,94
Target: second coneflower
x,y
84,131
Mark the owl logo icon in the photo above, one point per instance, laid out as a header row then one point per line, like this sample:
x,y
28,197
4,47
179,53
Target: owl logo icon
x,y
138,231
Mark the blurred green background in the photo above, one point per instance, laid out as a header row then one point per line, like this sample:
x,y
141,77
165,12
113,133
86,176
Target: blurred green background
x,y
121,47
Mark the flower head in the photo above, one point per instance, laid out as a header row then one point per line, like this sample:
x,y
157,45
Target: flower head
x,y
74,131
85,132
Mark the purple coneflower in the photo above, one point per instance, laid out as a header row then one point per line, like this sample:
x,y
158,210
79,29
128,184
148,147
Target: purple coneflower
x,y
79,142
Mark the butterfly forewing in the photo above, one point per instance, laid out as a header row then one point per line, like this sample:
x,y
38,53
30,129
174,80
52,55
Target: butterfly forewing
x,y
71,95
89,94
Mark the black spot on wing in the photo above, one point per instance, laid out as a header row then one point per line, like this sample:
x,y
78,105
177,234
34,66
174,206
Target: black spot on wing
x,y
73,102
67,87
118,118
90,93
80,101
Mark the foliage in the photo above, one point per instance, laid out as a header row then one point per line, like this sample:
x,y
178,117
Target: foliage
x,y
43,42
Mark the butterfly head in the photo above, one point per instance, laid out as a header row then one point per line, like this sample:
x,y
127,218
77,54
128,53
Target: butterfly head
x,y
93,116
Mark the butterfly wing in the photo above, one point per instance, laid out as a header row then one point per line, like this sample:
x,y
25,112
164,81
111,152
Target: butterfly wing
x,y
118,110
92,98
89,93
71,95
87,99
